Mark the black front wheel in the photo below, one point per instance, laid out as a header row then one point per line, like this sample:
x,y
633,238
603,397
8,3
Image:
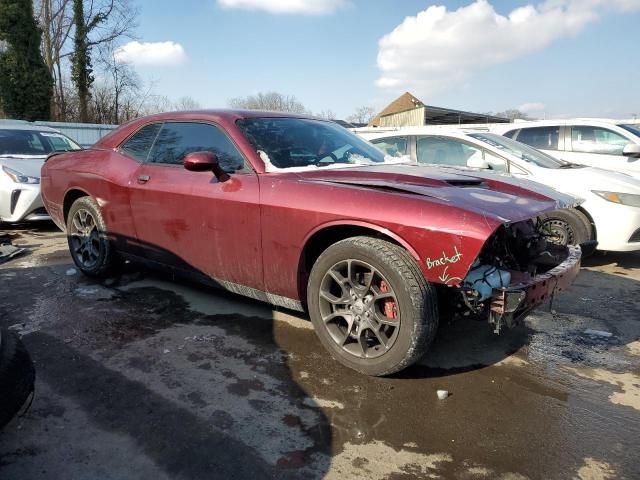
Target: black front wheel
x,y
566,227
371,306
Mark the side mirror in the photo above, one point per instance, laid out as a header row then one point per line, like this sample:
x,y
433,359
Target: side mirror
x,y
205,162
476,161
631,150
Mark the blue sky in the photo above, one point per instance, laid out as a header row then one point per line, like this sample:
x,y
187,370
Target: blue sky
x,y
557,57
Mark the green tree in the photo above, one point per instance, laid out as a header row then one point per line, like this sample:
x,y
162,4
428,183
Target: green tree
x,y
25,81
81,68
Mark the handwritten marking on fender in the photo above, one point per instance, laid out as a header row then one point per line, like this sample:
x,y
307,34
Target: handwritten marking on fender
x,y
444,259
445,278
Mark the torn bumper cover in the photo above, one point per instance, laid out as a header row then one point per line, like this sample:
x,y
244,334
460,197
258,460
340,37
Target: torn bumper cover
x,y
510,305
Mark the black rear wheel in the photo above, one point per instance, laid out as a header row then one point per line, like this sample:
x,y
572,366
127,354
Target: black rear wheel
x,y
371,306
87,237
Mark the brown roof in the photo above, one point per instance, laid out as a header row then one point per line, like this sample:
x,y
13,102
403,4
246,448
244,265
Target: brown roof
x,y
405,101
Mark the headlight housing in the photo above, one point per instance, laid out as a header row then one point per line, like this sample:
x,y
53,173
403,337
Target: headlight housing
x,y
629,199
20,177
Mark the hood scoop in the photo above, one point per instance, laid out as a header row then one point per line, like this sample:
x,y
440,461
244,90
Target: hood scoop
x,y
465,183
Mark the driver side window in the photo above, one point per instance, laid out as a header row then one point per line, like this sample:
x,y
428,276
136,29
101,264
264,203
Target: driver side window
x,y
446,151
597,140
177,139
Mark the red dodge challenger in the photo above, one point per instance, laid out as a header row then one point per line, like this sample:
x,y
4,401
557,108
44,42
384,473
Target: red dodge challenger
x,y
301,213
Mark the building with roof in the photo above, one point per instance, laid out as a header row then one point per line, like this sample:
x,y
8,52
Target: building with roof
x,y
409,111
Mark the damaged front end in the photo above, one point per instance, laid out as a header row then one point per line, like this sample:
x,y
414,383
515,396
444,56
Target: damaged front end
x,y
517,269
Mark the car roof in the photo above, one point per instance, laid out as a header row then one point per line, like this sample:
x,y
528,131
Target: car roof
x,y
596,122
451,131
221,116
426,130
227,114
18,125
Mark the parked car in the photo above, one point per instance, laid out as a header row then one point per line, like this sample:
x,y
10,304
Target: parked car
x,y
597,143
609,214
23,149
303,214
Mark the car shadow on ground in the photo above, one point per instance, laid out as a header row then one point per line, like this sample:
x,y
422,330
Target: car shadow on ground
x,y
35,228
624,260
198,394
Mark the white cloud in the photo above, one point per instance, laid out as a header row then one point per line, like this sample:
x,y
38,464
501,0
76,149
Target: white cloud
x,y
305,7
151,53
532,107
438,49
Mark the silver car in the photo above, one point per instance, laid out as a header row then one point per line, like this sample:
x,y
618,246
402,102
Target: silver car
x,y
23,150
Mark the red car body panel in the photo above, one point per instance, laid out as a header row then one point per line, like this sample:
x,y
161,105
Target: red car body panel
x,y
251,231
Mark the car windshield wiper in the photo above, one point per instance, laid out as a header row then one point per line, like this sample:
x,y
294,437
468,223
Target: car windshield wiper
x,y
570,165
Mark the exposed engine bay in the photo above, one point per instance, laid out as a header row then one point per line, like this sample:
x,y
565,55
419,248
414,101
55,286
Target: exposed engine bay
x,y
518,268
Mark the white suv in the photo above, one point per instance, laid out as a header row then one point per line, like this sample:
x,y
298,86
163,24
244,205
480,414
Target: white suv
x,y
598,143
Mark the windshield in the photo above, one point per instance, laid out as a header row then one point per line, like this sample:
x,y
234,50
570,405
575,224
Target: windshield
x,y
34,143
288,143
519,150
631,127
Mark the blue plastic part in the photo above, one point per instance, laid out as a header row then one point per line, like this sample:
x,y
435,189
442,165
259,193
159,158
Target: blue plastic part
x,y
484,278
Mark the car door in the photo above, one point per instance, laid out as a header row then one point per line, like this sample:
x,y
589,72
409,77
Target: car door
x,y
548,139
190,219
599,147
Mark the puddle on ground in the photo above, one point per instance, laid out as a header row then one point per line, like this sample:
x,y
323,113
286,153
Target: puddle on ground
x,y
627,384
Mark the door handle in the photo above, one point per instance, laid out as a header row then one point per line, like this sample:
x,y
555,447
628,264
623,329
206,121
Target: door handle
x,y
143,178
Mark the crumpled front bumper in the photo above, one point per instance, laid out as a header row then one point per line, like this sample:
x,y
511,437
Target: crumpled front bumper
x,y
510,305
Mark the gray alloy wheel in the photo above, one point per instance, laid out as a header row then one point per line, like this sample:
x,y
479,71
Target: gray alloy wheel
x,y
84,239
359,309
371,306
88,243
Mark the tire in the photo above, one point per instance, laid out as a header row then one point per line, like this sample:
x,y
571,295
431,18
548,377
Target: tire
x,y
89,246
566,227
17,376
399,303
587,223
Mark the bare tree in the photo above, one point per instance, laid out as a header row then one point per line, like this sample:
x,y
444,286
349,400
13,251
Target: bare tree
x,y
513,114
272,101
122,78
101,108
56,21
362,114
327,114
185,103
105,21
110,20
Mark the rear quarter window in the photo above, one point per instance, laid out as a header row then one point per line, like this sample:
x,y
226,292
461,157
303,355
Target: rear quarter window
x,y
139,144
511,133
542,138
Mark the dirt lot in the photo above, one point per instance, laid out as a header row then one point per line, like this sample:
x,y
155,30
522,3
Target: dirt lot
x,y
144,376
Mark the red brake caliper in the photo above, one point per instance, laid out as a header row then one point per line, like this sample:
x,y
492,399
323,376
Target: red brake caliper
x,y
390,310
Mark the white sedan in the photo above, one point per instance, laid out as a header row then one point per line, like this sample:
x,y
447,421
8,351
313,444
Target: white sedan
x,y
609,214
23,149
